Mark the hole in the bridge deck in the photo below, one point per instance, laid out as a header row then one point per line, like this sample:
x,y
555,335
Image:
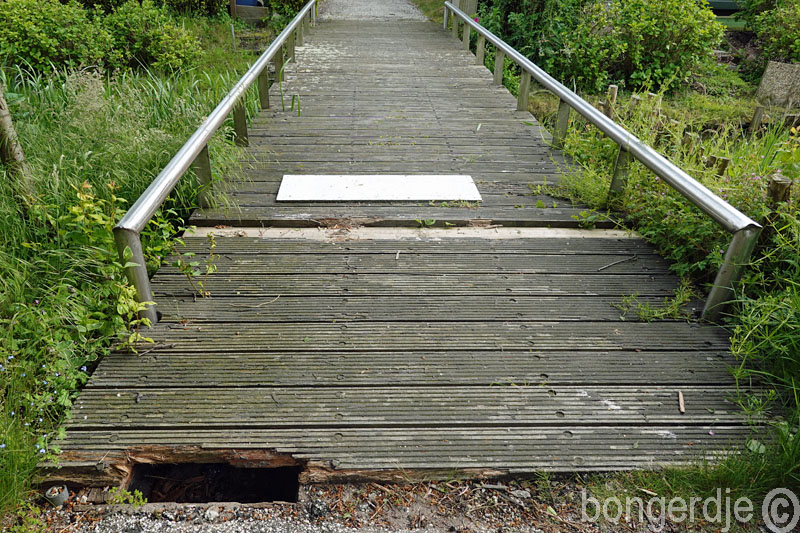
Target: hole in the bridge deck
x,y
215,482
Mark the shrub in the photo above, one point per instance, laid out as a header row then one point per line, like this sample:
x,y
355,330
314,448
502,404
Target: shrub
x,y
144,34
202,7
779,31
750,9
639,43
286,7
45,33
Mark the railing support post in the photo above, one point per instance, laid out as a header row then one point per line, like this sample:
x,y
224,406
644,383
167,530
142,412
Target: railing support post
x,y
480,50
499,65
620,177
299,34
291,42
202,169
446,16
240,123
137,275
278,61
562,121
737,256
524,91
455,26
263,88
465,37
307,24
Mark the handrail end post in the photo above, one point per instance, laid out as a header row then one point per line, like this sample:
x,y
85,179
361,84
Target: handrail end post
x,y
445,16
129,247
737,256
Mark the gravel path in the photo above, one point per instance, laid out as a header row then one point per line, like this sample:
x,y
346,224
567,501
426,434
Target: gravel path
x,y
369,10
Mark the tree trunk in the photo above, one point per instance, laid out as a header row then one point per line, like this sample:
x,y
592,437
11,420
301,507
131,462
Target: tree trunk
x,y
11,152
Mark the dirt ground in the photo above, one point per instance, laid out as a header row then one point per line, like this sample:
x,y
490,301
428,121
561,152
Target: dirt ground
x,y
539,505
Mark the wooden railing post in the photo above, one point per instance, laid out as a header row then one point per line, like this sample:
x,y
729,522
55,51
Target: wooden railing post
x,y
299,32
524,91
445,18
202,169
465,37
455,26
291,44
278,61
240,123
480,50
499,65
263,89
562,121
620,177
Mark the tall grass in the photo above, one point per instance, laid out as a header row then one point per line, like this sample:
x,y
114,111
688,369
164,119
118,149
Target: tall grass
x,y
94,142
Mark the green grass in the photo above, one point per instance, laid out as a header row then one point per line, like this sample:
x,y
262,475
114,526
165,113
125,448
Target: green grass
x,y
94,142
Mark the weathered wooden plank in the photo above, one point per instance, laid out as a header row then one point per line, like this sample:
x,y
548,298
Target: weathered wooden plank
x,y
421,245
390,262
281,216
450,336
269,287
419,367
567,448
399,308
510,406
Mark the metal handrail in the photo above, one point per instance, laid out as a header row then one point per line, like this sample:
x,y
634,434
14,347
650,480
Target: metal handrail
x,y
127,233
745,230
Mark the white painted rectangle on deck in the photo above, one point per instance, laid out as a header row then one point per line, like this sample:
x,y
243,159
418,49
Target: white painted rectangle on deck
x,y
376,187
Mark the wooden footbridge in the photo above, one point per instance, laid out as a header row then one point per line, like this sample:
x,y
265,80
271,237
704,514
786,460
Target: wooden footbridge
x,y
344,339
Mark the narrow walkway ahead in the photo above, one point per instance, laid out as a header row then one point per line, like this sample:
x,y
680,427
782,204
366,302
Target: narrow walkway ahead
x,y
402,354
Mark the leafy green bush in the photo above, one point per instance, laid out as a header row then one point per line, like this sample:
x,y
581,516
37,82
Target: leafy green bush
x,y
638,43
202,7
750,9
635,43
144,34
287,6
46,32
779,31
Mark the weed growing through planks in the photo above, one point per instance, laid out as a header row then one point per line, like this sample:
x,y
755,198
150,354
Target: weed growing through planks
x,y
196,272
674,307
425,223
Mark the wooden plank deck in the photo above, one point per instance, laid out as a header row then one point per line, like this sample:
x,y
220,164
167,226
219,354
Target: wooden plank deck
x,y
418,355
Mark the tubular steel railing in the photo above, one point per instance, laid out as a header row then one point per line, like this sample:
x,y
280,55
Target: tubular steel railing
x,y
194,153
745,231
